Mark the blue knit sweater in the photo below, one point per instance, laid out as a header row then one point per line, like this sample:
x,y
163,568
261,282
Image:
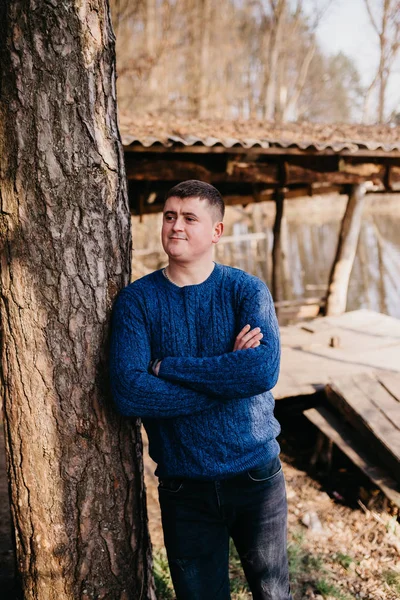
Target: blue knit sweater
x,y
209,413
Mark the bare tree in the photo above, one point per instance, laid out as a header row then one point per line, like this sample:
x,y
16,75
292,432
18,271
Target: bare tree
x,y
75,466
277,16
384,16
218,59
288,54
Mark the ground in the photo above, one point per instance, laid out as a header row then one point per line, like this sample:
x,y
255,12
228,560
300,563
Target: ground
x,y
344,539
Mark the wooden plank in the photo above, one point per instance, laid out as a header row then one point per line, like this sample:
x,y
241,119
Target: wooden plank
x,y
358,174
381,398
372,424
140,169
354,403
340,435
317,300
369,343
391,382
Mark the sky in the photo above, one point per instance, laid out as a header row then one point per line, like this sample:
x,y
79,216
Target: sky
x,y
346,28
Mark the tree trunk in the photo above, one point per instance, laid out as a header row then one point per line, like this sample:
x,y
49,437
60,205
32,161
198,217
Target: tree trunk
x,y
277,258
151,39
75,466
345,253
278,20
204,54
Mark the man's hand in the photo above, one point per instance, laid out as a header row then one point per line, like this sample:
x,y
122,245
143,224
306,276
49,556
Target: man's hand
x,y
248,338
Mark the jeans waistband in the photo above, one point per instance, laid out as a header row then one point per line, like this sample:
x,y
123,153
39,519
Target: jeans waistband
x,y
262,471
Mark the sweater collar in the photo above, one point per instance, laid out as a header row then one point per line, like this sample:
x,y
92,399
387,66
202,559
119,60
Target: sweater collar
x,y
209,282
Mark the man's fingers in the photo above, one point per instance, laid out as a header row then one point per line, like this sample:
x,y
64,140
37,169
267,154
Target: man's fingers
x,y
246,338
252,342
239,336
241,333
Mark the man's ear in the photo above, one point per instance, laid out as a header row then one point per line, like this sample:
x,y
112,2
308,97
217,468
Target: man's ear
x,y
218,231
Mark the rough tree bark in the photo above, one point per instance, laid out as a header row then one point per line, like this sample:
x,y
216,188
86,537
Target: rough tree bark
x,y
75,466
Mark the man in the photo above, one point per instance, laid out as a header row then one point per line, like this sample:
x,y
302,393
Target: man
x,y
195,350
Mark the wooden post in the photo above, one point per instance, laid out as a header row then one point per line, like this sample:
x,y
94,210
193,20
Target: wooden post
x,y
277,262
345,253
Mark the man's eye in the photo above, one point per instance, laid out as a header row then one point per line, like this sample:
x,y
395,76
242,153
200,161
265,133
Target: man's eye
x,y
189,219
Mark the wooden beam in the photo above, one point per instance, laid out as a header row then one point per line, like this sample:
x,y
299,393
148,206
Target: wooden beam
x,y
173,169
348,174
277,262
162,169
387,180
343,437
260,172
345,253
394,176
372,411
318,300
247,171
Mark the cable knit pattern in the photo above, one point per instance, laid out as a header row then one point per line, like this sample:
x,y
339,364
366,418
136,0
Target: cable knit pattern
x,y
209,413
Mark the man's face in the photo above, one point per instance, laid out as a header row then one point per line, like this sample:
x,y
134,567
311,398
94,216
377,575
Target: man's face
x,y
189,229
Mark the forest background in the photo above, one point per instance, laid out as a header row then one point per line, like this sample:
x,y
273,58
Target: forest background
x,y
264,59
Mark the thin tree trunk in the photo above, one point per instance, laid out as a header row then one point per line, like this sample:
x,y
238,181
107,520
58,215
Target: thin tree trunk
x,y
278,13
345,253
204,54
151,39
277,258
290,110
75,466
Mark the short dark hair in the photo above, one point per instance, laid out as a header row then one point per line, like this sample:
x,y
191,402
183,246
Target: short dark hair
x,y
192,188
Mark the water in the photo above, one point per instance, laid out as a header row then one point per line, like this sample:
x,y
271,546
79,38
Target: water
x,y
311,233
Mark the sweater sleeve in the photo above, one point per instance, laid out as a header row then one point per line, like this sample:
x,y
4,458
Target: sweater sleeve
x,y
135,391
238,374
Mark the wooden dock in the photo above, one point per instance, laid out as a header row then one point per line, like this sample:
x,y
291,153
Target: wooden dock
x,y
325,349
355,359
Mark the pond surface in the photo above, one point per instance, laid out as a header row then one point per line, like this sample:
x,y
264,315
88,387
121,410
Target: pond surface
x,y
310,235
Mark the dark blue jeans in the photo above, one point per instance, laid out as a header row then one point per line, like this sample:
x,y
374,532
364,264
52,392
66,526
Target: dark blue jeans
x,y
199,518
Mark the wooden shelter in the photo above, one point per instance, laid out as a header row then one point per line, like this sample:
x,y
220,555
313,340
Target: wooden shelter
x,y
253,161
353,357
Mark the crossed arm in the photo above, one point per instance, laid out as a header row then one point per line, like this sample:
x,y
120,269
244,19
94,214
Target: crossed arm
x,y
187,385
246,338
250,369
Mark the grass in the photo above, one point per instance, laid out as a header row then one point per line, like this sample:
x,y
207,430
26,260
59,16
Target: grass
x,y
328,589
164,587
162,577
343,559
392,578
306,570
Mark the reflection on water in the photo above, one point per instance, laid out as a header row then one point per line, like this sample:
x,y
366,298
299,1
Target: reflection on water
x,y
311,246
375,279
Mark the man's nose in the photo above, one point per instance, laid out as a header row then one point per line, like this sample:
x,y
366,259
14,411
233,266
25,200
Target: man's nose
x,y
178,224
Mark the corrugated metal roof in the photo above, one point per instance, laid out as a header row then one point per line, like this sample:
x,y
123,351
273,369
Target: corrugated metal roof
x,y
151,131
